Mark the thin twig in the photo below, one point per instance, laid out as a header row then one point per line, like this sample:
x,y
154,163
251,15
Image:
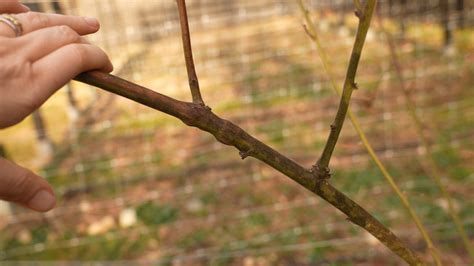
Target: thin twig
x,y
188,53
321,167
312,33
230,134
434,170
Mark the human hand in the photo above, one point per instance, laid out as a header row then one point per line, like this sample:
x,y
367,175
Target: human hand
x,y
49,54
33,66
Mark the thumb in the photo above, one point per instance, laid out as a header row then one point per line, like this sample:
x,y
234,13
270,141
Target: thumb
x,y
20,185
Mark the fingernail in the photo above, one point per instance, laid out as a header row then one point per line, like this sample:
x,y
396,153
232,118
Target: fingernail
x,y
27,8
42,201
93,22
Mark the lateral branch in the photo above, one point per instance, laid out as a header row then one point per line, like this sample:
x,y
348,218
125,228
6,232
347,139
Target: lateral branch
x,y
321,168
188,53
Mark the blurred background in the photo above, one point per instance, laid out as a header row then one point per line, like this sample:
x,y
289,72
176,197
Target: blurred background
x,y
135,184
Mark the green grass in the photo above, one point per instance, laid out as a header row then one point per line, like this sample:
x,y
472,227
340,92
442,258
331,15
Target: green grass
x,y
317,254
258,220
353,181
153,214
195,239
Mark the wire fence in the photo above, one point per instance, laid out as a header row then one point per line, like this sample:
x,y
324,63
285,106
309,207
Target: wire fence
x,y
257,68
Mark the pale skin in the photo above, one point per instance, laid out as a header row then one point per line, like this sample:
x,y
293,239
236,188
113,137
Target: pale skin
x,y
50,52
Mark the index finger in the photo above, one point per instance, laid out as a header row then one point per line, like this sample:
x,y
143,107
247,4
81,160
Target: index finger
x,y
12,6
32,21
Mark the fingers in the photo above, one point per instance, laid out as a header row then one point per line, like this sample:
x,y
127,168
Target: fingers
x,y
32,21
12,6
59,67
45,41
20,185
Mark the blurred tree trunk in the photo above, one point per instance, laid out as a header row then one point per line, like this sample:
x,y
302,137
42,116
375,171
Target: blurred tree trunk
x,y
460,5
3,151
45,144
401,17
390,8
73,108
446,25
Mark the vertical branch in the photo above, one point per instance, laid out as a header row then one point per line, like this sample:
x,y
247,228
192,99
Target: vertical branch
x,y
188,53
434,170
365,16
310,29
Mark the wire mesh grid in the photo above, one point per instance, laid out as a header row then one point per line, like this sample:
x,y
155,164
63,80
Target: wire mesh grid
x,y
194,201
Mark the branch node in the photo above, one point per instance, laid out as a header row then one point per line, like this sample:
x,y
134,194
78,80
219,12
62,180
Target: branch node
x,y
306,29
320,173
359,13
201,105
358,6
245,154
358,10
355,86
